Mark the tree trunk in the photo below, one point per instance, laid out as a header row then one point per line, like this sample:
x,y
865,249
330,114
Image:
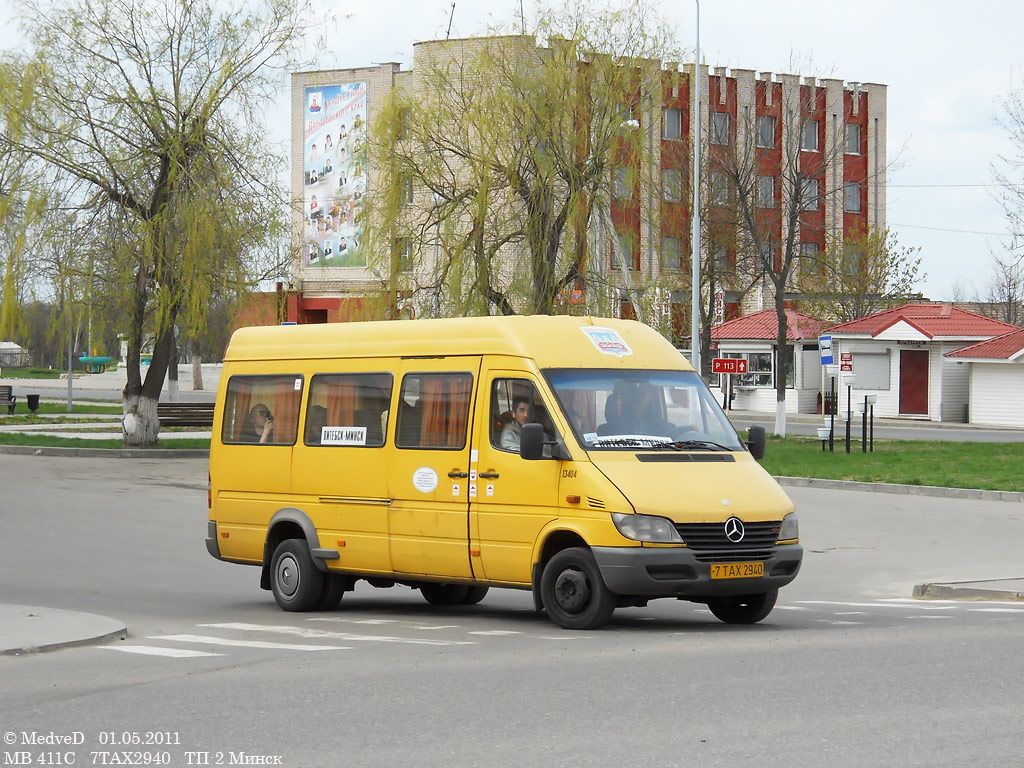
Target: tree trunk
x,y
140,426
780,361
197,367
172,370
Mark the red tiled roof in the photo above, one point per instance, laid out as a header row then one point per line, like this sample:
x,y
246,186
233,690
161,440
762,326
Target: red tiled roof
x,y
931,319
1004,347
765,325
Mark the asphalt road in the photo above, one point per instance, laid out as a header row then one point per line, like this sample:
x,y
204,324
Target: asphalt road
x,y
847,671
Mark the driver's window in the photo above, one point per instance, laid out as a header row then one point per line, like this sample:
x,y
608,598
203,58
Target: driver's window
x,y
515,402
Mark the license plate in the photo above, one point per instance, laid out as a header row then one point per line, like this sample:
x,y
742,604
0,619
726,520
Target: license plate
x,y
737,570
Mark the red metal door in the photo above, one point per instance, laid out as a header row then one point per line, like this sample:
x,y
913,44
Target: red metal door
x,y
914,381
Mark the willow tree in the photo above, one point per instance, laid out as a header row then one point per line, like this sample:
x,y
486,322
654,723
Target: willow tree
x,y
496,156
859,275
156,106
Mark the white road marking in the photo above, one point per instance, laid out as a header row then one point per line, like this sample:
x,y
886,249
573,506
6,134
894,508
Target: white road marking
x,y
328,635
919,617
997,610
873,605
208,640
495,632
148,650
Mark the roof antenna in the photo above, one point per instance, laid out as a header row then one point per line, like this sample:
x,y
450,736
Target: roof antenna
x,y
522,16
446,34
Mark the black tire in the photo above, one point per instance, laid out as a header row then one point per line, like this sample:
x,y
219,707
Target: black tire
x,y
296,582
474,595
573,592
743,609
334,589
444,594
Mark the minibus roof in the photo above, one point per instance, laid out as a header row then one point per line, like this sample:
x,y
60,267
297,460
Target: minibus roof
x,y
551,341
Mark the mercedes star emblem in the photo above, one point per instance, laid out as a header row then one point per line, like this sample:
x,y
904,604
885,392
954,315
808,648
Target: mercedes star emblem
x,y
734,530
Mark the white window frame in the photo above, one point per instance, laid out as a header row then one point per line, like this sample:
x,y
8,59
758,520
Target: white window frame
x,y
810,200
672,123
766,131
853,131
671,185
852,197
671,253
719,133
809,139
765,191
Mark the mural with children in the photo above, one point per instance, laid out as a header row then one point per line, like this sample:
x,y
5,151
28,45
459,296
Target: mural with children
x,y
334,155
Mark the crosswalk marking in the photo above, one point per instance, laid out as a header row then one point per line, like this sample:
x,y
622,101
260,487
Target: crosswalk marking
x,y
327,634
152,650
210,640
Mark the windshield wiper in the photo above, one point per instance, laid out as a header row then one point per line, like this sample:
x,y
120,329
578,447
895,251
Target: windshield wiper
x,y
682,445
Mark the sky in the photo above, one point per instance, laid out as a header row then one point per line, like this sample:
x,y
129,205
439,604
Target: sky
x,y
948,67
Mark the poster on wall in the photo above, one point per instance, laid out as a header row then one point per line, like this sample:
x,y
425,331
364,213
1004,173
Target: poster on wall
x,y
334,161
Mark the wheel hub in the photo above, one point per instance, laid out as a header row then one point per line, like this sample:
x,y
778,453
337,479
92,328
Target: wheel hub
x,y
287,576
572,591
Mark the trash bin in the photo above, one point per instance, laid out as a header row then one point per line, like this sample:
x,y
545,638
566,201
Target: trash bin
x,y
33,402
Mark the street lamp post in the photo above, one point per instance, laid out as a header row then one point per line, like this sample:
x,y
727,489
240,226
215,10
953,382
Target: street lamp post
x,y
695,213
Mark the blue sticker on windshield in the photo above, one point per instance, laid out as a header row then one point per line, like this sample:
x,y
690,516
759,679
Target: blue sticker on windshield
x,y
608,341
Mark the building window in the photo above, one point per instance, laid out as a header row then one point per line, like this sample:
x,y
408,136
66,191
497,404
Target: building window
x,y
406,190
672,124
719,189
403,254
720,128
620,183
672,253
853,138
348,409
671,185
765,191
808,258
766,132
623,255
720,258
851,197
766,258
809,140
809,195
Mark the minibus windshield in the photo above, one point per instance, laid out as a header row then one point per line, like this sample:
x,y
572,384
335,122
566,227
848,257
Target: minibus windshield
x,y
631,409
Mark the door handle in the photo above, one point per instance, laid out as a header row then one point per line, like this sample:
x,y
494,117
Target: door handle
x,y
456,473
488,475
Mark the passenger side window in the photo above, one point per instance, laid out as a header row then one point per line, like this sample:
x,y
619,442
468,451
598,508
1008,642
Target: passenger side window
x,y
262,409
433,411
515,402
348,409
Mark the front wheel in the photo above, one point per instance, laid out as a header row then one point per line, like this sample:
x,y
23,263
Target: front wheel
x,y
474,595
294,578
573,592
743,609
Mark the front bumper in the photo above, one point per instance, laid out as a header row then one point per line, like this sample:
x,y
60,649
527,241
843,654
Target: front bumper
x,y
684,572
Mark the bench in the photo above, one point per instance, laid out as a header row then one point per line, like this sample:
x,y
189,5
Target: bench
x,y
7,398
185,414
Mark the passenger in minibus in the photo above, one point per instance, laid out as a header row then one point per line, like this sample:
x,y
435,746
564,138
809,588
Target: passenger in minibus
x,y
258,426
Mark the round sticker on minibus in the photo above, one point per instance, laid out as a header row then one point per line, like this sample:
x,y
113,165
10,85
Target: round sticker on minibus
x,y
424,480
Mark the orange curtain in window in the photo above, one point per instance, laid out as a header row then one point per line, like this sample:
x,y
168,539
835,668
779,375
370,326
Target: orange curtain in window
x,y
286,412
582,405
341,403
242,391
434,429
458,410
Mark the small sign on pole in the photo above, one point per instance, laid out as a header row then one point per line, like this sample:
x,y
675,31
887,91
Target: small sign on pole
x,y
825,349
728,365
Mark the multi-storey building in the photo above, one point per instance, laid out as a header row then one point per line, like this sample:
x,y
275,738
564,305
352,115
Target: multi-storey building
x,y
759,128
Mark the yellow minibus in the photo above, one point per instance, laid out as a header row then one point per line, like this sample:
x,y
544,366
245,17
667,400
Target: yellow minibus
x,y
581,458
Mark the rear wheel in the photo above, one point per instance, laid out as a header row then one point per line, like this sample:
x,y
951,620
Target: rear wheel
x,y
444,594
474,595
296,582
743,609
573,592
334,589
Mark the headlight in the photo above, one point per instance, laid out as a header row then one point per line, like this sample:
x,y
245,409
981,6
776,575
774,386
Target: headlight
x,y
790,528
647,528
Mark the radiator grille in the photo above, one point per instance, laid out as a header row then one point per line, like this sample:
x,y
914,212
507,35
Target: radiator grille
x,y
700,536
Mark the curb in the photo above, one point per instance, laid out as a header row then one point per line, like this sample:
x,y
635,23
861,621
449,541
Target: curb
x,y
26,629
906,490
113,453
955,591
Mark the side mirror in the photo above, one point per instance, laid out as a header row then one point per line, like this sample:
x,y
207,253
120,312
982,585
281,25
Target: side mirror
x,y
756,441
531,442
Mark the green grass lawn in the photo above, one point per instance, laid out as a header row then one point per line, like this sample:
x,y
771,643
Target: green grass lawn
x,y
80,442
989,466
32,373
22,415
